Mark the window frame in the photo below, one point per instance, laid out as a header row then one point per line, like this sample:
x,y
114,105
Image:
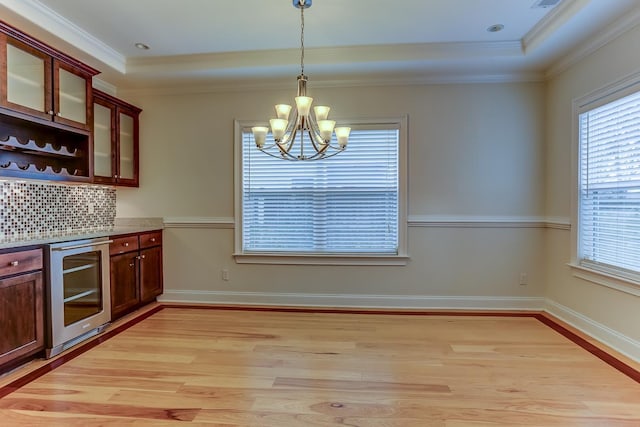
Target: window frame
x,y
610,277
401,258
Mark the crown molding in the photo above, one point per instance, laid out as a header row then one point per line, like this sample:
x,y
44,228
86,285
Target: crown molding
x,y
399,53
623,25
47,19
548,25
442,78
104,86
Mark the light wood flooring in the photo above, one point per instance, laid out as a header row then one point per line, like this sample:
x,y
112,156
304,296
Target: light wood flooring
x,y
203,367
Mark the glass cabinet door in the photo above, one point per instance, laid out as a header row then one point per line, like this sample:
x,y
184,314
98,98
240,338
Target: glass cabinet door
x,y
28,80
71,96
127,147
103,123
113,115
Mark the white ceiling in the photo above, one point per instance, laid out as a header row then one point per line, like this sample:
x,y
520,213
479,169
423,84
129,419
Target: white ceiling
x,y
222,42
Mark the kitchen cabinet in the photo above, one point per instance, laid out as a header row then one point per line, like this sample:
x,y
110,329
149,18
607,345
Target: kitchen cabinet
x,y
41,82
46,111
21,306
116,141
136,271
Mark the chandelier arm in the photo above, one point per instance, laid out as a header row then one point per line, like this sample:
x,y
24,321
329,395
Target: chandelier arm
x,y
280,155
275,144
336,147
290,133
314,134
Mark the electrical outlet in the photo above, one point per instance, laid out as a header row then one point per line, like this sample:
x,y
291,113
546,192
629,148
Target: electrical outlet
x,y
91,208
225,274
524,279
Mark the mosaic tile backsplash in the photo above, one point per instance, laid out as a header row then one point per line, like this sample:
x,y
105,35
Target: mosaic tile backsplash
x,y
34,209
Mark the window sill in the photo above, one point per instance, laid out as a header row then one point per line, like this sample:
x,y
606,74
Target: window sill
x,y
606,279
317,259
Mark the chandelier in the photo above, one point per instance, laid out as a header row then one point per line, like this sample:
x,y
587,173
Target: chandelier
x,y
314,131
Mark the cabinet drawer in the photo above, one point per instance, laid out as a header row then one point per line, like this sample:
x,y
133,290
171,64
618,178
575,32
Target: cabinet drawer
x,y
148,240
19,262
121,245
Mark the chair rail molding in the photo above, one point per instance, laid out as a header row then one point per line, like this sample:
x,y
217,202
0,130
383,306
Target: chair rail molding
x,y
472,221
199,222
451,221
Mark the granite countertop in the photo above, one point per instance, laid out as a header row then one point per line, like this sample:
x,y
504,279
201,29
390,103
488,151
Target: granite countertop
x,y
126,226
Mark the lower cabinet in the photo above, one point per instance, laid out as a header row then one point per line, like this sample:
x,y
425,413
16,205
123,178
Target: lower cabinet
x,y
21,306
136,271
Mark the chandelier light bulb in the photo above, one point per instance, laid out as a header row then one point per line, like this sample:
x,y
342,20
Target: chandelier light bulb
x,y
278,128
326,129
303,104
342,133
283,110
321,112
260,134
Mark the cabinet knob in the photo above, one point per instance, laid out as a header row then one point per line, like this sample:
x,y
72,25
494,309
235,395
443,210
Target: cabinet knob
x,y
142,256
59,114
126,244
14,263
132,265
51,112
152,240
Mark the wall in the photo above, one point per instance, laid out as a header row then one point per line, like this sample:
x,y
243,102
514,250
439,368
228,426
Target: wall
x,y
608,314
475,197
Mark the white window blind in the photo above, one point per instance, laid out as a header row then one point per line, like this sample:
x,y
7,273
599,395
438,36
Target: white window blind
x,y
609,206
344,204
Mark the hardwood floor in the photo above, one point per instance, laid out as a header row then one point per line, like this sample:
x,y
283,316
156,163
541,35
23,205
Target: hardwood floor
x,y
186,366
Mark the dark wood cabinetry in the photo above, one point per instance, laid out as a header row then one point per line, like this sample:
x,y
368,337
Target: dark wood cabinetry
x,y
43,83
116,145
46,114
136,271
21,306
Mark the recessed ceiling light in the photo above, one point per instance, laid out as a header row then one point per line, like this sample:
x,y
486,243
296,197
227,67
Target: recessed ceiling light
x,y
495,28
142,46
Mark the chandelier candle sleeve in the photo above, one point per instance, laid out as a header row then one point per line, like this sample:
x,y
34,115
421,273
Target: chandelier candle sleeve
x,y
301,134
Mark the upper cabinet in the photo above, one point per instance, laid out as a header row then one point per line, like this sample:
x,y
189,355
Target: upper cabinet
x,y
115,153
46,111
42,83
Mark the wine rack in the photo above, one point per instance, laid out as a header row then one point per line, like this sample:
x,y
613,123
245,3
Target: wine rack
x,y
32,150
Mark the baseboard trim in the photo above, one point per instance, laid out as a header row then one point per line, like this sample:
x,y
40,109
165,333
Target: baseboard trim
x,y
615,340
607,336
355,301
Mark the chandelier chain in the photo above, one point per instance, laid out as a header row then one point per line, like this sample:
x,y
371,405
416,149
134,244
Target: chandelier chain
x,y
302,40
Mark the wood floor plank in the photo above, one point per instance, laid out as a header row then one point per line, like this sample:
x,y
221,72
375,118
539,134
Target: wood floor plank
x,y
203,367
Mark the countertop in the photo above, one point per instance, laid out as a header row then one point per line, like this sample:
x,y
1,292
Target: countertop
x,y
125,227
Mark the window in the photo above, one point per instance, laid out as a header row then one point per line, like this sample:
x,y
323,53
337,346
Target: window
x,y
347,206
609,184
